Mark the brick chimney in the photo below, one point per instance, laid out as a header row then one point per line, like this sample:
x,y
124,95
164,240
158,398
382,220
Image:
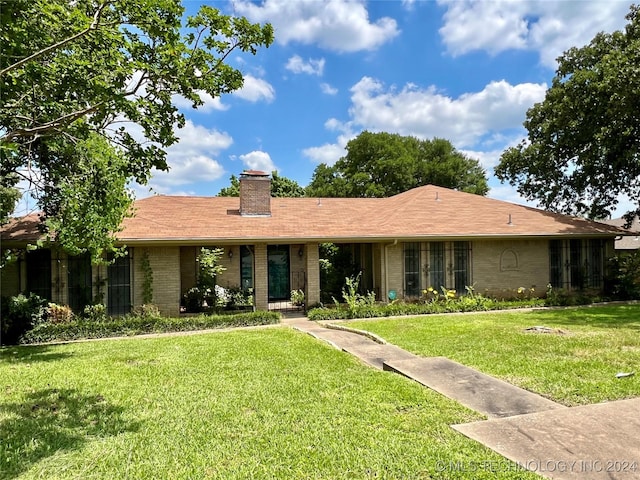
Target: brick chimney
x,y
255,194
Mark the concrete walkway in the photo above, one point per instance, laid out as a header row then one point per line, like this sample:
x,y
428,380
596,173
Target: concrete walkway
x,y
591,442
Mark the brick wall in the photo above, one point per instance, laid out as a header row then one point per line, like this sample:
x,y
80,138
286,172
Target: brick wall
x,y
312,258
230,278
261,277
509,264
165,265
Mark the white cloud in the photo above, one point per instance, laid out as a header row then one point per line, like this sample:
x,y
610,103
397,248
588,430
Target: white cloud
x,y
337,25
428,113
191,160
328,89
548,28
210,103
312,67
509,194
258,160
255,89
328,153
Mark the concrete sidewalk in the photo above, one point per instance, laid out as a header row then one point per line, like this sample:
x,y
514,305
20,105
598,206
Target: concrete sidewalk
x,y
591,442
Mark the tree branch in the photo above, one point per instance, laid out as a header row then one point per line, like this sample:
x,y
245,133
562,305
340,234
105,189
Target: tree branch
x,y
94,26
53,124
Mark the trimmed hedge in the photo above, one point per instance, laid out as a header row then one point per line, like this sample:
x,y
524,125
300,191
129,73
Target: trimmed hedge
x,y
463,304
136,325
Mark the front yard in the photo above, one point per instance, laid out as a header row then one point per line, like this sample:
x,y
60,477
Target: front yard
x,y
575,365
247,404
278,404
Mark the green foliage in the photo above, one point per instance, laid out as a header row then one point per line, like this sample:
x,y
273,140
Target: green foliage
x,y
297,297
356,303
280,187
72,74
625,270
560,297
336,264
432,302
146,321
146,310
583,146
85,204
147,278
18,315
95,313
384,164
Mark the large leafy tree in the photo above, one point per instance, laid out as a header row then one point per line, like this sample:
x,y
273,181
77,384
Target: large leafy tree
x,y
385,164
73,74
280,187
583,146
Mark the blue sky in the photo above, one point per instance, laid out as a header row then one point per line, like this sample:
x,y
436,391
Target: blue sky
x,y
461,70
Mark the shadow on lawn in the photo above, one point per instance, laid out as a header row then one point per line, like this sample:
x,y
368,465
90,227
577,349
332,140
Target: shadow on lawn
x,y
52,420
30,354
619,316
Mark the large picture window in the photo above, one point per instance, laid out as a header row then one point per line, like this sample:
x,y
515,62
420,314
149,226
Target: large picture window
x,y
448,265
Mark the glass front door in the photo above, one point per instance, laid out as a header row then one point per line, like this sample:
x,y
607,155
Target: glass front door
x,y
279,286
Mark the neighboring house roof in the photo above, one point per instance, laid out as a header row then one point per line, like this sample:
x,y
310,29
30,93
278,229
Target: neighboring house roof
x,y
631,241
423,213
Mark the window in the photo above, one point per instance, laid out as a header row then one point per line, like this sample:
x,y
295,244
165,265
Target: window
x,y
461,274
555,263
575,264
39,273
436,265
79,282
594,263
246,268
119,289
412,269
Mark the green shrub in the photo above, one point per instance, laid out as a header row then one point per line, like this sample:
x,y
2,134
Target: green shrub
x,y
297,297
147,310
432,302
137,324
18,315
95,313
625,276
59,313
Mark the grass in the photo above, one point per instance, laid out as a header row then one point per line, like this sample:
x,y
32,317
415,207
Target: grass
x,y
575,368
246,404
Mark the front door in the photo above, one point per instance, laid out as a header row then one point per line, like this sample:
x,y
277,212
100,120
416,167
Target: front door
x,y
278,258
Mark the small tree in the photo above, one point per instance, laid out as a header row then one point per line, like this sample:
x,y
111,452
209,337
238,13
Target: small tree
x,y
208,270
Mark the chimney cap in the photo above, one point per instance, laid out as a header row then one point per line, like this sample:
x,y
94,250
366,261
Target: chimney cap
x,y
254,173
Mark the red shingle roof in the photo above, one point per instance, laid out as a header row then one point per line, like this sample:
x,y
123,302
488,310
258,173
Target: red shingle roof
x,y
427,212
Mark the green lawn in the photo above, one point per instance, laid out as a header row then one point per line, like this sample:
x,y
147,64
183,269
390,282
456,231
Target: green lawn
x,y
576,368
246,404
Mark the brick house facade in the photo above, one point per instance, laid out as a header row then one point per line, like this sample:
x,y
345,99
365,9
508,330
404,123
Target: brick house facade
x,y
427,236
